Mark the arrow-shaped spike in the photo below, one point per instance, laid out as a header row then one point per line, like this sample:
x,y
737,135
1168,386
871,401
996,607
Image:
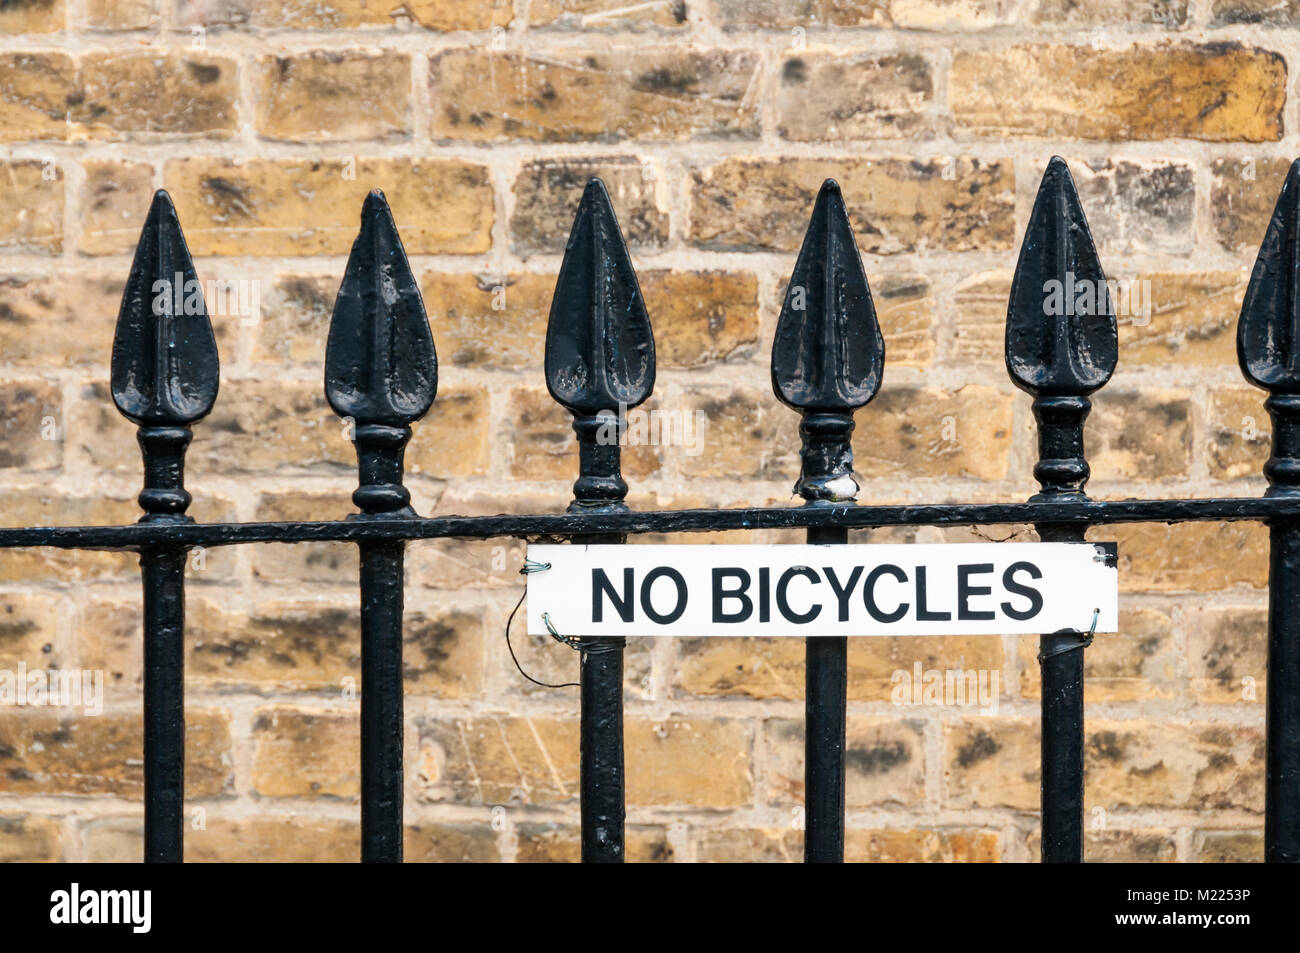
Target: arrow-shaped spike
x,y
1268,332
1062,339
600,350
828,354
380,363
164,366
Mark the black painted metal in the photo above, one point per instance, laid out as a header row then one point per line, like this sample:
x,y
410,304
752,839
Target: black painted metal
x,y
827,359
164,378
381,370
1268,349
600,363
1060,348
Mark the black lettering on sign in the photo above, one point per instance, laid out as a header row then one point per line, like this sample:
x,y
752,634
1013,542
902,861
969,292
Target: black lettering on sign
x,y
842,593
923,614
965,590
1020,589
764,594
663,618
783,604
869,593
600,585
738,593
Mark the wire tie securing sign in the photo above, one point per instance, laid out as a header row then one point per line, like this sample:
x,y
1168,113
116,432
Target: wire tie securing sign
x,y
529,567
1082,642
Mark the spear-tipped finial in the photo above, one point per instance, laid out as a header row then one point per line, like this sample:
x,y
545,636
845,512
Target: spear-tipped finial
x,y
164,367
1062,341
381,368
165,370
828,354
1061,337
1268,332
600,350
380,362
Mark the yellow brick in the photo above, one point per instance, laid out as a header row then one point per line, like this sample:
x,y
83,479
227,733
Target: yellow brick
x,y
1188,557
1227,655
1242,196
62,319
1217,92
607,14
547,192
29,634
742,433
920,847
313,207
979,335
1229,847
1193,320
497,760
895,205
783,15
822,97
114,203
908,432
990,763
544,446
1139,435
36,93
124,95
29,839
561,843
325,96
122,14
1139,662
884,761
31,206
31,425
1240,433
748,846
306,753
485,95
445,15
700,762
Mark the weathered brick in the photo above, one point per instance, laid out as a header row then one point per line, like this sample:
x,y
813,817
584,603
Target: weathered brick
x,y
561,843
991,762
243,840
1242,195
31,204
774,668
444,15
1285,13
444,843
920,847
913,432
543,445
1141,661
41,505
750,846
547,192
1171,14
295,321
331,95
884,761
306,753
31,425
1199,767
1134,205
114,202
1220,92
1227,654
980,319
1142,846
484,95
311,207
37,92
741,433
1190,319
29,634
1155,557
608,15
29,839
172,94
696,762
952,15
44,753
499,759
59,319
784,14
1140,435
454,438
1239,433
895,205
830,97
122,14
1228,847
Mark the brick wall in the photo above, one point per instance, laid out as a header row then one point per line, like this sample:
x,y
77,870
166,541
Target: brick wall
x,y
713,122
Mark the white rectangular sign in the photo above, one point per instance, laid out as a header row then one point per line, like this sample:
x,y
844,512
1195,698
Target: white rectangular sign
x,y
800,590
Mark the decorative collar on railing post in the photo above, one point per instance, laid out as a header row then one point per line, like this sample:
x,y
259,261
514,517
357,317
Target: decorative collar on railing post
x,y
600,350
828,354
1268,335
1062,340
381,369
164,367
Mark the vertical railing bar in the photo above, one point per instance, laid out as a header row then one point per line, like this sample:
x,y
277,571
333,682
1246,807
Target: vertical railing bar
x,y
600,362
381,370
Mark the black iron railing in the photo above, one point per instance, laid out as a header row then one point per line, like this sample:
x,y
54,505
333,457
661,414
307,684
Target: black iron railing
x,y
827,362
